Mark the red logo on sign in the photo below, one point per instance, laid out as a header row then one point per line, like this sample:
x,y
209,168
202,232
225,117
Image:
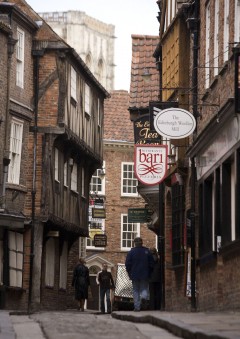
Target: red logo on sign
x,y
150,163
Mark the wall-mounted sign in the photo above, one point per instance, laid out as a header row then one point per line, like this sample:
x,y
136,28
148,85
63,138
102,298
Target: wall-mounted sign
x,y
99,213
150,163
174,123
142,132
139,214
237,82
100,240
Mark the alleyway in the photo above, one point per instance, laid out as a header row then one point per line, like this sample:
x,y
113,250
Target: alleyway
x,y
73,324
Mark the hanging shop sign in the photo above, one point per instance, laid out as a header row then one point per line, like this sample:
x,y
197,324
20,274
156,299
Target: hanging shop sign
x,y
174,123
98,213
100,240
150,163
142,132
237,82
139,214
157,106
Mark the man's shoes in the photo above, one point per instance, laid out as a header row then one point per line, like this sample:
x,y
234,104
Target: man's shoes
x,y
103,312
144,304
136,310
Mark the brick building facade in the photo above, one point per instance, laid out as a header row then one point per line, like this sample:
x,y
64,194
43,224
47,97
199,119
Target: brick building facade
x,y
200,193
51,144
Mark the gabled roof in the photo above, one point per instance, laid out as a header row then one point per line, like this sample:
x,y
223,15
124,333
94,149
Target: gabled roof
x,y
117,123
142,91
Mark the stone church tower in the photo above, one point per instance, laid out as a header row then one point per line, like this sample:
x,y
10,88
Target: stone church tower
x,y
92,39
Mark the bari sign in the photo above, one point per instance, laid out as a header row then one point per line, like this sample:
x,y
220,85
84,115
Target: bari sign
x,y
150,163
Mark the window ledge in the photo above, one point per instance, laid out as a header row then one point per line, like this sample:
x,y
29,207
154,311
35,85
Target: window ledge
x,y
87,115
15,288
16,187
224,68
74,192
178,267
208,258
231,248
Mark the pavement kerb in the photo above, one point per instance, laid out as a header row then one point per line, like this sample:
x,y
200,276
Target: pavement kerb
x,y
174,326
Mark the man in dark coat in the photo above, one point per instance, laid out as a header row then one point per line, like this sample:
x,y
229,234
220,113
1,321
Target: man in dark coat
x,y
81,282
139,265
106,283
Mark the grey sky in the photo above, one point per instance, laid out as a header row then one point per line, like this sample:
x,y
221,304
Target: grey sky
x,y
128,16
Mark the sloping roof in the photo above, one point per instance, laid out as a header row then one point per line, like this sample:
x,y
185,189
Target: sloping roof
x,y
142,91
117,124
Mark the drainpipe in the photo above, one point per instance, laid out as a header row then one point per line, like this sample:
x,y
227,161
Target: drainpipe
x,y
161,186
36,55
194,28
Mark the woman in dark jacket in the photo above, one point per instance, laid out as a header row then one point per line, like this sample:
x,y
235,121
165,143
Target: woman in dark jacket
x,y
81,282
155,282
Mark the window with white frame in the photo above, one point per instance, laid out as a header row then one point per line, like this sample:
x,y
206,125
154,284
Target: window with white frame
x,y
97,184
226,30
237,21
83,182
128,181
207,49
73,84
98,113
74,119
87,100
82,247
15,151
216,37
20,57
56,164
74,178
63,266
15,247
65,173
129,231
50,262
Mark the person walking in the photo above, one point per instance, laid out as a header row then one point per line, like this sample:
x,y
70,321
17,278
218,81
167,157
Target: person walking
x,y
139,265
106,283
81,282
155,285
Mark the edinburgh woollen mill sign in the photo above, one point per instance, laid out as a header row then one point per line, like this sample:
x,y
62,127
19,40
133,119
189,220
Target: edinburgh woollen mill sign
x,y
150,163
174,123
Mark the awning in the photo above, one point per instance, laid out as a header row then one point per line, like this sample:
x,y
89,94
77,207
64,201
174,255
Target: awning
x,y
12,221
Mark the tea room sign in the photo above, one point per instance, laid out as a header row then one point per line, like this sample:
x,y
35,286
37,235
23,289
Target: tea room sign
x,y
150,163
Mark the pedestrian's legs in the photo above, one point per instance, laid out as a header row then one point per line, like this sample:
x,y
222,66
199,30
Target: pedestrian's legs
x,y
102,299
82,302
144,289
144,293
136,294
108,301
